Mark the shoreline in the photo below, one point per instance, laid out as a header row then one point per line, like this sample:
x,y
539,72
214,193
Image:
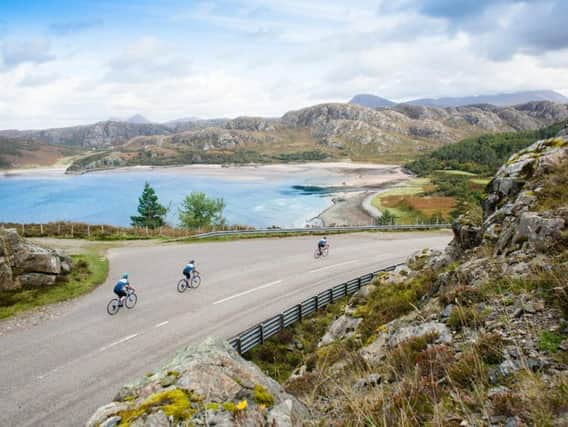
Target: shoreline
x,y
351,184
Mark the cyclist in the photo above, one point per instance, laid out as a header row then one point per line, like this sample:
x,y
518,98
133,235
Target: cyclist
x,y
189,269
121,288
322,244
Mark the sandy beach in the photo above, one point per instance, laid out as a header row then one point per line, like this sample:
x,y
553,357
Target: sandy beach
x,y
350,183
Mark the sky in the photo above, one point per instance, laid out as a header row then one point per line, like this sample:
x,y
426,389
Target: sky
x,y
66,63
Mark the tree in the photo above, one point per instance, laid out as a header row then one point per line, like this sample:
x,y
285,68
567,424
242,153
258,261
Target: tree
x,y
386,218
199,210
151,212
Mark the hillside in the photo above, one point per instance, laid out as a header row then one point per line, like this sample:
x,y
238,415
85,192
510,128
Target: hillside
x,y
17,153
480,155
501,100
323,131
473,335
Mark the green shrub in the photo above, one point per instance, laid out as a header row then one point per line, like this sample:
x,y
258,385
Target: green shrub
x,y
262,396
490,348
461,317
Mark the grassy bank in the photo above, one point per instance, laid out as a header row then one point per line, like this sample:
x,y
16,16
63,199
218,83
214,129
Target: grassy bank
x,y
89,270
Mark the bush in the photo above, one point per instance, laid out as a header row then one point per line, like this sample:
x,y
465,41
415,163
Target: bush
x,y
468,371
462,317
490,348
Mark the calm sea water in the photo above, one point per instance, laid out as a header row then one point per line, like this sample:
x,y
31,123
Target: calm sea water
x,y
111,198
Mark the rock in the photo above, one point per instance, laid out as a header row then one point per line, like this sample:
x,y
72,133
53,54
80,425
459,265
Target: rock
x,y
367,382
467,234
111,422
513,422
497,391
157,419
25,264
447,311
343,327
281,415
217,373
37,279
404,333
107,411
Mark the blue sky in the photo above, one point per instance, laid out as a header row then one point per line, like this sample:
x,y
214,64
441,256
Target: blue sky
x,y
74,62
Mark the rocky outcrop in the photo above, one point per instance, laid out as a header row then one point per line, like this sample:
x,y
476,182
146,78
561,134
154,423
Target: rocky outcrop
x,y
25,264
205,384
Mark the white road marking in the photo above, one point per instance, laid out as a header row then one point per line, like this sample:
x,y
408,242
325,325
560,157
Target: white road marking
x,y
248,292
129,337
333,266
159,325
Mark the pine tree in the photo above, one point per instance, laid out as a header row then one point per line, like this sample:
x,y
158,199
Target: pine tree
x,y
151,212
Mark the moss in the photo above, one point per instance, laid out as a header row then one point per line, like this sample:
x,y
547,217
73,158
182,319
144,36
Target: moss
x,y
549,341
262,396
230,407
212,406
175,403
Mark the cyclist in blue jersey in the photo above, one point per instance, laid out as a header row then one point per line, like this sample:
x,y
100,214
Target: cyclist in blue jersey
x,y
121,288
322,244
189,269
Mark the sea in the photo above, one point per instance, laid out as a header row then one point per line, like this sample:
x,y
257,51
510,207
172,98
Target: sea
x,y
112,197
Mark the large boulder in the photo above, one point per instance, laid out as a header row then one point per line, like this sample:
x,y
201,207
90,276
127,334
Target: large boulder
x,y
214,381
23,263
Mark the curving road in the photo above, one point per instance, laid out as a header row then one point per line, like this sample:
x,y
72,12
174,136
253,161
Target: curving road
x,y
58,373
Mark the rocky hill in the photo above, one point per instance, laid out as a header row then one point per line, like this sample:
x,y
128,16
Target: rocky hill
x,y
324,131
473,335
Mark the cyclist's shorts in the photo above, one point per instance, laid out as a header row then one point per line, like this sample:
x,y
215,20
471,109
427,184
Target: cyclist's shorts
x,y
121,293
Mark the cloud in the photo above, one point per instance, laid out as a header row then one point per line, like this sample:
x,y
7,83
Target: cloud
x,y
38,79
145,60
16,52
71,27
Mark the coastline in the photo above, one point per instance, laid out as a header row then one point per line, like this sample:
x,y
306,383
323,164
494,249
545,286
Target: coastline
x,y
351,184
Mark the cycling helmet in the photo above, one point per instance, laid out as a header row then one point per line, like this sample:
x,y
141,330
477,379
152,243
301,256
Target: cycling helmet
x,y
192,261
125,275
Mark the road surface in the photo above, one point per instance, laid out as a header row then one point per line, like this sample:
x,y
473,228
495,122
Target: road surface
x,y
59,372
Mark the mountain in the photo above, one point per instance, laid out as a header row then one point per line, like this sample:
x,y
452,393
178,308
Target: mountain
x,y
502,99
394,134
138,119
371,101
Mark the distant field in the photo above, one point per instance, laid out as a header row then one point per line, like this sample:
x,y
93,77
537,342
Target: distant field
x,y
410,203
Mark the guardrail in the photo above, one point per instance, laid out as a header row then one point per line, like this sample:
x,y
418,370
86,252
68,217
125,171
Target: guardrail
x,y
259,333
322,229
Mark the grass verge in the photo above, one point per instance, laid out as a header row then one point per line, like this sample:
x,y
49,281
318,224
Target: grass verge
x,y
89,270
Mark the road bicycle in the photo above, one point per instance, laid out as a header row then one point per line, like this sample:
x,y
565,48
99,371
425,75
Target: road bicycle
x,y
130,301
323,253
183,284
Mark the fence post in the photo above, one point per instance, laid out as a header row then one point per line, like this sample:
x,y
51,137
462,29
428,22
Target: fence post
x,y
23,229
281,322
300,312
71,229
345,289
59,229
89,230
331,295
317,302
261,326
41,228
359,282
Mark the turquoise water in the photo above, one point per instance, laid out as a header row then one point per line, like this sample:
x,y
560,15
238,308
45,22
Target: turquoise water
x,y
111,198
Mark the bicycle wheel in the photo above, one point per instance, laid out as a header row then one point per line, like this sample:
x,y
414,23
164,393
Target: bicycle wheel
x,y
195,281
317,254
325,251
131,300
113,307
182,285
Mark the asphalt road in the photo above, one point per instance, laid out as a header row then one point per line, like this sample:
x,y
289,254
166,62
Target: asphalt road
x,y
59,372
